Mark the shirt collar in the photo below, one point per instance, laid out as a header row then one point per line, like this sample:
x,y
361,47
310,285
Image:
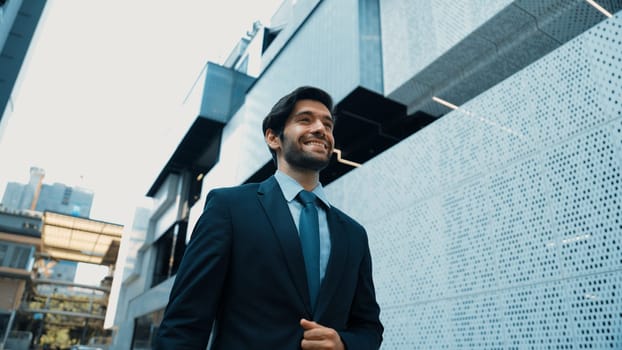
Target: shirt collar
x,y
291,187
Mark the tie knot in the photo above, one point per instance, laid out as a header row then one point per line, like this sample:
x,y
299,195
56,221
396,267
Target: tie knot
x,y
306,197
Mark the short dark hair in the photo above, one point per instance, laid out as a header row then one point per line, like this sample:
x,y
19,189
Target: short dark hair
x,y
276,119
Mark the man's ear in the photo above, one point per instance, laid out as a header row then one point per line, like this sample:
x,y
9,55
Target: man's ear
x,y
273,140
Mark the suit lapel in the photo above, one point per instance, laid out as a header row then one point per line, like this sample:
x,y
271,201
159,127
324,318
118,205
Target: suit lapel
x,y
277,211
336,262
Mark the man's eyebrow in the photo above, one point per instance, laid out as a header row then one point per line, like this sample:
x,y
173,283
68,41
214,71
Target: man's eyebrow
x,y
304,112
307,112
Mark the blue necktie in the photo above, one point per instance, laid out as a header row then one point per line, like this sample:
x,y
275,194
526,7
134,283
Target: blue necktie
x,y
309,228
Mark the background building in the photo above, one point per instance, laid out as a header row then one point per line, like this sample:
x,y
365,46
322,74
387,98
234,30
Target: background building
x,y
44,233
18,22
41,197
490,142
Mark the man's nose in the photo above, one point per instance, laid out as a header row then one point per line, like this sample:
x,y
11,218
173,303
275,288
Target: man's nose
x,y
318,127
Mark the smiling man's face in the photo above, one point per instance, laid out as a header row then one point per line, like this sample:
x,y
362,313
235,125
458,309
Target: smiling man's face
x,y
307,141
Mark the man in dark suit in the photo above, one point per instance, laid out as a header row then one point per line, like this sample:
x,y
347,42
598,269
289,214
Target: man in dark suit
x,y
274,265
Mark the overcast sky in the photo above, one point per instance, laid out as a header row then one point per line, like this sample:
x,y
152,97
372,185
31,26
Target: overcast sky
x,y
99,98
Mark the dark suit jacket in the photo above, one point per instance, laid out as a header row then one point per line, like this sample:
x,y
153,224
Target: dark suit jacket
x,y
243,272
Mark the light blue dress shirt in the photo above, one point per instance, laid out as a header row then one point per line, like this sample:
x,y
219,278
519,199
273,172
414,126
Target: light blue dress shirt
x,y
290,189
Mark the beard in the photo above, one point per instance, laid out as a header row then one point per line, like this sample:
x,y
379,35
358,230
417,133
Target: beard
x,y
301,159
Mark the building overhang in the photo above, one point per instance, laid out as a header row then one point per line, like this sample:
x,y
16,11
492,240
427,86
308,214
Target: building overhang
x,y
223,93
66,237
198,151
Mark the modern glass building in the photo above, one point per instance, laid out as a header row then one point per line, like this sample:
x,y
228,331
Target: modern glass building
x,y
489,136
18,22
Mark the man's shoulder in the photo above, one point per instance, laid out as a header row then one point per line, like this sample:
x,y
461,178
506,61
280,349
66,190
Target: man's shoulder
x,y
235,190
346,218
356,231
231,196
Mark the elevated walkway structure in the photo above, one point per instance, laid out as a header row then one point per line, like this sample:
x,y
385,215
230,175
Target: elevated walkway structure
x,y
60,303
66,237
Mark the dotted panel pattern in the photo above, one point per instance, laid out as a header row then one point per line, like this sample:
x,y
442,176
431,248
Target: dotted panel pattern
x,y
537,317
413,158
572,17
415,36
499,225
596,307
470,244
410,268
417,326
519,217
585,192
475,322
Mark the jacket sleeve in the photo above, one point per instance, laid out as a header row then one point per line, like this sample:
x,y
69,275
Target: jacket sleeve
x,y
364,331
196,293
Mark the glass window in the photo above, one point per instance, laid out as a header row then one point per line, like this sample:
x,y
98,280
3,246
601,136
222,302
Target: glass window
x,y
145,329
170,248
4,248
15,255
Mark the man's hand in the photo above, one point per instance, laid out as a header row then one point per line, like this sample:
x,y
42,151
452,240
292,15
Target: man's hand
x,y
317,336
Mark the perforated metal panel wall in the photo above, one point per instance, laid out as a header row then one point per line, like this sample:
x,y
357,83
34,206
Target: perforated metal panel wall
x,y
500,225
